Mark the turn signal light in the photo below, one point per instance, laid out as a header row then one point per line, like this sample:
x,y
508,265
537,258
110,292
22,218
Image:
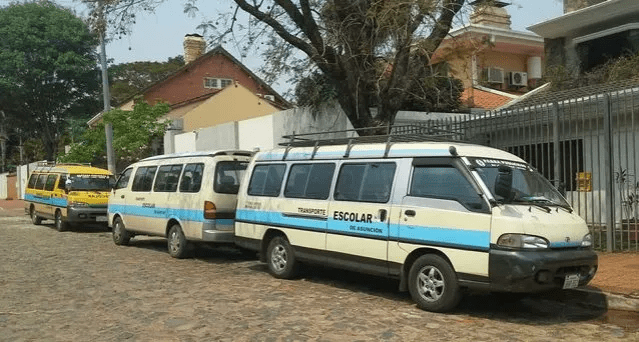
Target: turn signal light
x,y
209,210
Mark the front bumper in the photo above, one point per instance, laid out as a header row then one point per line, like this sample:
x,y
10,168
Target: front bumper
x,y
535,271
87,215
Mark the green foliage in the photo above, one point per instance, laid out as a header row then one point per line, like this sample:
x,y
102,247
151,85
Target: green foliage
x,y
48,70
133,134
617,69
129,79
434,93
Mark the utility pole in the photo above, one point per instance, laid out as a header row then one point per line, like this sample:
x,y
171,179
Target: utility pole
x,y
108,128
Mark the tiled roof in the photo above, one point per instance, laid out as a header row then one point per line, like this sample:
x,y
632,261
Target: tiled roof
x,y
477,98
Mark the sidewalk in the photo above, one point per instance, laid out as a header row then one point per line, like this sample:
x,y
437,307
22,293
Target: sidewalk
x,y
617,277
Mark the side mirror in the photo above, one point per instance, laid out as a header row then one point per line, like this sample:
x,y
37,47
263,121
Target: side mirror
x,y
561,187
504,182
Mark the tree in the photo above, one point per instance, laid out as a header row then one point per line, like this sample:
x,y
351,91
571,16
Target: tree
x,y
129,79
372,51
133,136
48,70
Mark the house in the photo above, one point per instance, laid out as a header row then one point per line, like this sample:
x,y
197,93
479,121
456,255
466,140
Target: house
x,y
589,33
495,63
211,88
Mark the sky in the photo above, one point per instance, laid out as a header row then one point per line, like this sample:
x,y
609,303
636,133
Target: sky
x,y
158,36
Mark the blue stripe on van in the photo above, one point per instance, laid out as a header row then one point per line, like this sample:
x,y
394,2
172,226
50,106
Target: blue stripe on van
x,y
278,219
196,215
54,201
439,236
454,237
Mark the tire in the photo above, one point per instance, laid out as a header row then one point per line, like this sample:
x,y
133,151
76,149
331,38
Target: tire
x,y
60,224
120,236
432,284
35,219
281,258
176,242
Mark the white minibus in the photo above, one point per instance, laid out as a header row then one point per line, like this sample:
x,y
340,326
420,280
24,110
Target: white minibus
x,y
185,197
438,216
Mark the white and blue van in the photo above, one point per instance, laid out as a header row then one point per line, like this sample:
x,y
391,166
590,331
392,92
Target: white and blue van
x,y
437,216
185,197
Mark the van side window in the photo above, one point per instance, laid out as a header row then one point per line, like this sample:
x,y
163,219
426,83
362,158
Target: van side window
x,y
50,183
62,181
445,182
32,181
266,180
143,179
228,175
365,182
192,178
309,181
41,180
167,179
123,181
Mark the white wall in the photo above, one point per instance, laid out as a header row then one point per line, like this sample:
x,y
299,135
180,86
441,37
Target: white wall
x,y
220,137
3,186
257,133
185,142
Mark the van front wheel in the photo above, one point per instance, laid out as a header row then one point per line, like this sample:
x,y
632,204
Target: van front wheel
x,y
120,235
60,224
281,258
177,243
433,284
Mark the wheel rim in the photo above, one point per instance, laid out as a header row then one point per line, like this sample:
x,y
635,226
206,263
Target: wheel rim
x,y
430,283
58,220
278,258
33,216
174,242
117,234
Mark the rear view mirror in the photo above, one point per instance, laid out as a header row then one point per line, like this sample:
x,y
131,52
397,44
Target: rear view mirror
x,y
504,182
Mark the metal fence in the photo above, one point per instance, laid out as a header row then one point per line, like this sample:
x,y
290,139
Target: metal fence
x,y
584,140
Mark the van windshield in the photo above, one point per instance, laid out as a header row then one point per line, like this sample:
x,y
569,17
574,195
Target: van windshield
x,y
528,186
79,182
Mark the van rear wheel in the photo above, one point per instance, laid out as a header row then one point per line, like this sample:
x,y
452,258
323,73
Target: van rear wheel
x,y
60,224
120,236
281,258
34,217
177,243
433,284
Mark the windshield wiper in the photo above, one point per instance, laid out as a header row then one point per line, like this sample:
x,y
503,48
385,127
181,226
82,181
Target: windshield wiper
x,y
546,201
534,203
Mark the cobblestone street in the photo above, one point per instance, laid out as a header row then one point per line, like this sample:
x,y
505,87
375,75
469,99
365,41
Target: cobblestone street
x,y
79,286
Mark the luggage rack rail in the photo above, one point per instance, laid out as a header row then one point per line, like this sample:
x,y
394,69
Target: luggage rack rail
x,y
408,133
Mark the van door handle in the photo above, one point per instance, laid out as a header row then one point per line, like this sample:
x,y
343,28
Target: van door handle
x,y
382,215
410,213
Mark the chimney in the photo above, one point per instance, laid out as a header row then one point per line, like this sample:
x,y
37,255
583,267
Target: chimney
x,y
194,46
573,5
490,13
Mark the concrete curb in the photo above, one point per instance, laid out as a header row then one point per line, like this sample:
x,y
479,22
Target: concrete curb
x,y
612,301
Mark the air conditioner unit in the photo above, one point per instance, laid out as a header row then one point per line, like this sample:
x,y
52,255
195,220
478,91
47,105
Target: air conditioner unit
x,y
518,78
269,97
494,75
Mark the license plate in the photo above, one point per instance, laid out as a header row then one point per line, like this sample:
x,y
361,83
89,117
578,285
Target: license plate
x,y
571,281
100,219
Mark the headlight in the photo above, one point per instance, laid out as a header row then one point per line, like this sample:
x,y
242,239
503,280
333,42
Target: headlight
x,y
522,241
79,204
587,240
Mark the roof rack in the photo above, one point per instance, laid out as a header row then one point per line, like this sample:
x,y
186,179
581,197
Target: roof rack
x,y
407,133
